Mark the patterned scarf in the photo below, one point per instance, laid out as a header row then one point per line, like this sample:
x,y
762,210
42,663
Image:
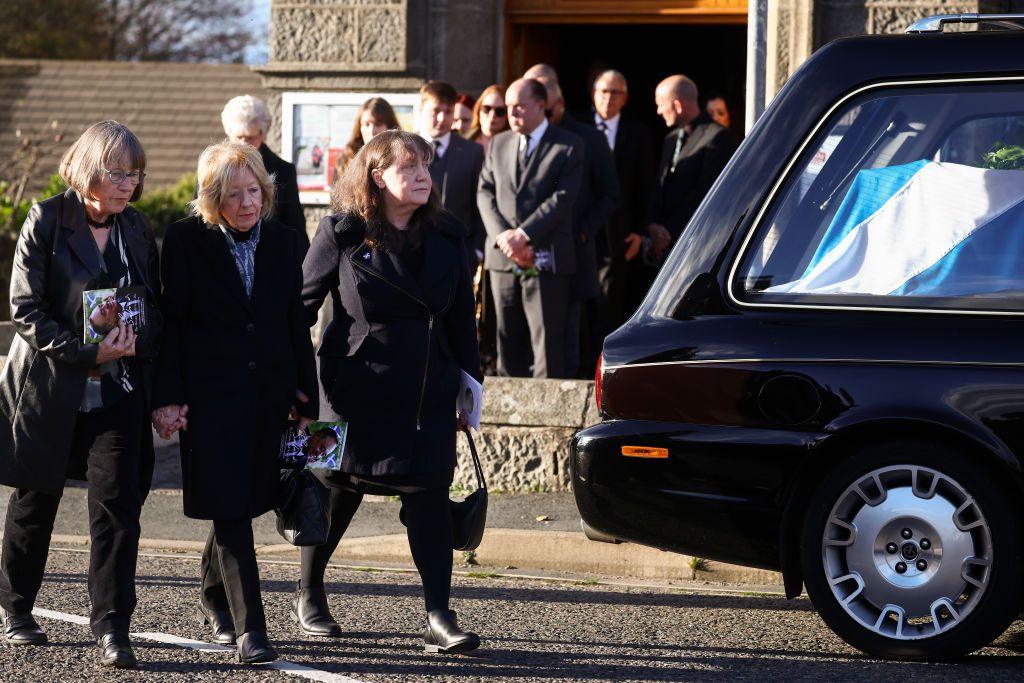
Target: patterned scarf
x,y
245,255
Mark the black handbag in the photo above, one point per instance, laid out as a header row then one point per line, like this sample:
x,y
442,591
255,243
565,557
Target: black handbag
x,y
469,517
302,507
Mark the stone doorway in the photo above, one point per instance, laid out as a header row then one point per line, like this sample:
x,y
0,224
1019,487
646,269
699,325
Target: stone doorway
x,y
645,39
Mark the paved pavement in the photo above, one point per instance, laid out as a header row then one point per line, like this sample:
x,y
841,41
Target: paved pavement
x,y
531,630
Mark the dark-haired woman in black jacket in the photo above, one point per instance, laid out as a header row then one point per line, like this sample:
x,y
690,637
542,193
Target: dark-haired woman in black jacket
x,y
390,364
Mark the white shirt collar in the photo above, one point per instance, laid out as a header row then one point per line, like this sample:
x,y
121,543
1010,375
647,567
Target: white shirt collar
x,y
444,140
536,135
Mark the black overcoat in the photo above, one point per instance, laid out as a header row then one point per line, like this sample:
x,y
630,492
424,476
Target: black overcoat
x,y
235,361
287,205
391,357
42,384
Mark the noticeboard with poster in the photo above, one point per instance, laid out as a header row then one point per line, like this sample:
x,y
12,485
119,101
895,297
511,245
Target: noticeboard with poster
x,y
316,126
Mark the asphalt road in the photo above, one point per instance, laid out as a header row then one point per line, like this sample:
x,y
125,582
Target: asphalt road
x,y
531,630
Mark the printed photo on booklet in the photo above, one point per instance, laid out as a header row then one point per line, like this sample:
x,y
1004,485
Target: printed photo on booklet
x,y
321,445
103,308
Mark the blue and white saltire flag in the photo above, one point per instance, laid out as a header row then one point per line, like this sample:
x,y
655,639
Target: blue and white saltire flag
x,y
922,229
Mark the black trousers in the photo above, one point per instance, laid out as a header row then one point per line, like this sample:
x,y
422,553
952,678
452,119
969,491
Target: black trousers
x,y
109,444
230,575
531,321
428,524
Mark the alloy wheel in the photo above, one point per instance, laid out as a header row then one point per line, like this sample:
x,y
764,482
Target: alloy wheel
x,y
907,552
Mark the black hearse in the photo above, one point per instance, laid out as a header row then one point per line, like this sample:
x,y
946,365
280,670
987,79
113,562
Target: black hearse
x,y
827,377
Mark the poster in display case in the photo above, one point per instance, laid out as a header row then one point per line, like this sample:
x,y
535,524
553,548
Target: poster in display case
x,y
315,128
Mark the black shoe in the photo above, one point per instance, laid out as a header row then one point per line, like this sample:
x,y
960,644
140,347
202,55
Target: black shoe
x,y
21,629
219,622
310,612
444,635
117,651
254,648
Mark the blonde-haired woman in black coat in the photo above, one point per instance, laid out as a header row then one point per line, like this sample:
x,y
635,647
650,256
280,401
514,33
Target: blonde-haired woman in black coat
x,y
235,359
403,329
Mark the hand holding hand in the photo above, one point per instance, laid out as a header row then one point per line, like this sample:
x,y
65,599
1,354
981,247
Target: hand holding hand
x,y
524,258
169,419
293,414
633,243
518,239
119,342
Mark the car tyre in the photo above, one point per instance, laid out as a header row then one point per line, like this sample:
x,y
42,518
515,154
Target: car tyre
x,y
907,604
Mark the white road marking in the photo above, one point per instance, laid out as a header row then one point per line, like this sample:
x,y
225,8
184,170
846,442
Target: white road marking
x,y
284,666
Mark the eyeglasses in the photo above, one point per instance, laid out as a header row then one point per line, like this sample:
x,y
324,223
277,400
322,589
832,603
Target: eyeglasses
x,y
497,111
118,177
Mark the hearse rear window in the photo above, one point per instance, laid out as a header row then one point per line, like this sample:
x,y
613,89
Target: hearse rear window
x,y
909,198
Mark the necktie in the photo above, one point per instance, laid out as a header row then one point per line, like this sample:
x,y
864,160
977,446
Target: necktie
x,y
603,127
675,154
523,157
437,152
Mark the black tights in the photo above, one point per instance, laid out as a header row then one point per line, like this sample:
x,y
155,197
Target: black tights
x,y
429,525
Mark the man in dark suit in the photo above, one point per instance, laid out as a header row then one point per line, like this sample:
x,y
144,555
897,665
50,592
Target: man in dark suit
x,y
694,153
621,272
528,188
599,195
247,119
456,166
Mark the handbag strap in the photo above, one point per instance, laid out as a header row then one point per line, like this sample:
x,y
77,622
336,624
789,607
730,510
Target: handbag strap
x,y
481,483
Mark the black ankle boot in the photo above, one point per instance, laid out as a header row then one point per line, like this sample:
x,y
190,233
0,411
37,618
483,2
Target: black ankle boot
x,y
310,612
254,648
219,622
444,635
21,629
116,651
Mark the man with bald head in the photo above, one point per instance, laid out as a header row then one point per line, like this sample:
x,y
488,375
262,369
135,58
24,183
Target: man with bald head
x,y
599,195
694,153
528,188
621,272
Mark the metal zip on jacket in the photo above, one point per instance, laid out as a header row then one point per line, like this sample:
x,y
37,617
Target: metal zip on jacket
x,y
430,330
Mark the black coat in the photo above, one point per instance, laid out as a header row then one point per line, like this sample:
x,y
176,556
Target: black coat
x,y
635,166
287,207
390,358
599,195
235,361
43,381
703,155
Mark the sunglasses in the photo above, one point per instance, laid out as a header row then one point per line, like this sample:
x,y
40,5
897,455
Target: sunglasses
x,y
497,111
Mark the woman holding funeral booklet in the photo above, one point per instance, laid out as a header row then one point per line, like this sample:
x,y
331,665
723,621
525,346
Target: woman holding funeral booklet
x,y
235,363
390,363
74,391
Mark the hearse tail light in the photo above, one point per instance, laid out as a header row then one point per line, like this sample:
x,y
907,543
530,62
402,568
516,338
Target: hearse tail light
x,y
645,452
597,381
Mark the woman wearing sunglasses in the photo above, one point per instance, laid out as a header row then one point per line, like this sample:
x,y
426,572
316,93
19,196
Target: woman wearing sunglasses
x,y
490,116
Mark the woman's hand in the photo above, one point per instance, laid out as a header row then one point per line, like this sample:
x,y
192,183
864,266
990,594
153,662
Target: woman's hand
x,y
461,421
118,343
293,414
169,419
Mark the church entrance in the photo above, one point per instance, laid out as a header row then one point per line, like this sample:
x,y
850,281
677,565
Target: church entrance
x,y
645,40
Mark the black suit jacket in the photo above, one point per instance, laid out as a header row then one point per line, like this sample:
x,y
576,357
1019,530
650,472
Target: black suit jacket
x,y
457,187
679,192
235,361
634,164
599,195
287,207
541,202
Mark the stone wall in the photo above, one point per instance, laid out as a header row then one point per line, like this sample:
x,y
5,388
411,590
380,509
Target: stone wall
x,y
524,434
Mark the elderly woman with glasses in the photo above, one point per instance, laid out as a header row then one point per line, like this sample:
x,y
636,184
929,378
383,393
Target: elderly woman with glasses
x,y
236,362
77,410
